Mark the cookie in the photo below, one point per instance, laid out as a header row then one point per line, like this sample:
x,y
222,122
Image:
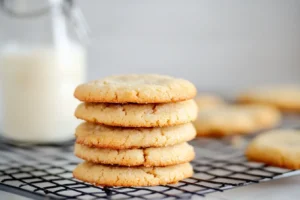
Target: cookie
x,y
102,136
265,116
278,147
138,115
148,157
134,88
231,119
208,101
284,97
105,175
223,121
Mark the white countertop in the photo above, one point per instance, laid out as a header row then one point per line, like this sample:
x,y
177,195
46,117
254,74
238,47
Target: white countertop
x,y
282,189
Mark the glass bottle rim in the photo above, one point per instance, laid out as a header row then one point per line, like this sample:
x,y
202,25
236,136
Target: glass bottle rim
x,y
13,12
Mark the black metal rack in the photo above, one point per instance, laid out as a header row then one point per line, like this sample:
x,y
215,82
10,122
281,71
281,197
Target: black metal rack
x,y
46,171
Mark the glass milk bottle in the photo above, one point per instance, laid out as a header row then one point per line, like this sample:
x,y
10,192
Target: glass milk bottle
x,y
40,66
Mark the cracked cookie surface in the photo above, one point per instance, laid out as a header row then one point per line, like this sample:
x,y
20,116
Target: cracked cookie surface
x,y
277,147
134,88
104,175
101,136
148,157
138,115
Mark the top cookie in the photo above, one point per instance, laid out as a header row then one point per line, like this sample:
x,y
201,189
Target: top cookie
x,y
136,89
284,97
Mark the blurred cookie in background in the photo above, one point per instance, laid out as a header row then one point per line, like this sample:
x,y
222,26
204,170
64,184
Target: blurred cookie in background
x,y
235,120
283,97
265,116
208,101
277,147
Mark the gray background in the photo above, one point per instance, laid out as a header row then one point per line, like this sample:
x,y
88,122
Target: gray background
x,y
217,44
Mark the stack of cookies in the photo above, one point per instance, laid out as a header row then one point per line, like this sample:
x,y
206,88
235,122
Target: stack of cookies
x,y
136,130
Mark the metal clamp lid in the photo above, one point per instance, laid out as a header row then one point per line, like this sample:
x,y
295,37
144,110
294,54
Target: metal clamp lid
x,y
72,12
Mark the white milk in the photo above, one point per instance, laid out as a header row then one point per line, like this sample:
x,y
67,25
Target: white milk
x,y
38,85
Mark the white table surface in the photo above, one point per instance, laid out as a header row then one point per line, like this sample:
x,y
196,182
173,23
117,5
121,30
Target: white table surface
x,y
278,189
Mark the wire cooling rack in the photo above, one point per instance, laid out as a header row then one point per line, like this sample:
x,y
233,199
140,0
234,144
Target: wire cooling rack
x,y
40,172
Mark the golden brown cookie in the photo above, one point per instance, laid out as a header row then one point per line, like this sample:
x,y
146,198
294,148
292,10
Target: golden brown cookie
x,y
105,175
101,136
138,115
277,147
232,119
134,88
148,157
284,97
265,116
208,101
